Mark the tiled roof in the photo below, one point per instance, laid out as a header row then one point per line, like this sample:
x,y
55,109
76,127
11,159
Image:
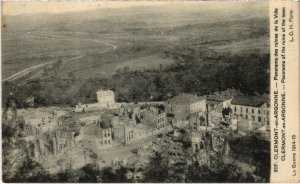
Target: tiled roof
x,y
253,101
185,99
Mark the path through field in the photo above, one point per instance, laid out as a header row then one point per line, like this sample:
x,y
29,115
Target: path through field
x,y
33,68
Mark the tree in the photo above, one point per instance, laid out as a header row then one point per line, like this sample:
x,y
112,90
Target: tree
x,y
31,171
226,111
108,175
14,149
242,149
156,170
177,172
196,173
221,172
90,174
185,138
67,176
121,175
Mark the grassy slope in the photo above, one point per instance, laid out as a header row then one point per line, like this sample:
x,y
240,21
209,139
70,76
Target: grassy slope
x,y
132,45
141,35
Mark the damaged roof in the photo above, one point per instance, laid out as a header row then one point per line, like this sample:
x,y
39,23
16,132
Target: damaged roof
x,y
253,101
92,130
185,99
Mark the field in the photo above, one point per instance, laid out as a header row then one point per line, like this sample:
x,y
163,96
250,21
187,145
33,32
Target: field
x,y
23,51
256,45
110,41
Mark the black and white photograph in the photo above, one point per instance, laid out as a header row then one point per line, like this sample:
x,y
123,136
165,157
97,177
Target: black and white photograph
x,y
135,92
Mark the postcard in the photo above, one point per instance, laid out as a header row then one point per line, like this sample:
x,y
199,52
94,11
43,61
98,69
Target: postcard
x,y
150,91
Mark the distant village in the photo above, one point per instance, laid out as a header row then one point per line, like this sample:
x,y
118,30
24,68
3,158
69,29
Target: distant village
x,y
109,132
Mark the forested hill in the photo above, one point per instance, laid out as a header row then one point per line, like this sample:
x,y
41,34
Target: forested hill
x,y
248,73
190,73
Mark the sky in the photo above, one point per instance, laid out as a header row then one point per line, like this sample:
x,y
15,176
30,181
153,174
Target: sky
x,y
23,7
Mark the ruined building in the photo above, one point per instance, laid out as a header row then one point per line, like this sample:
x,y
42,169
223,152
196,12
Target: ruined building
x,y
123,129
95,136
181,106
52,143
154,118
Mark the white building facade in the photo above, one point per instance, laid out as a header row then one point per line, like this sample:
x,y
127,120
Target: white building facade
x,y
105,98
199,106
251,111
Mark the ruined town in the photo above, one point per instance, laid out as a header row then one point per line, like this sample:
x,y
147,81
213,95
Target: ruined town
x,y
112,133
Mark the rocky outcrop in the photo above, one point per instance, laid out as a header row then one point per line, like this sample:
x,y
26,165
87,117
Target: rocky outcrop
x,y
53,143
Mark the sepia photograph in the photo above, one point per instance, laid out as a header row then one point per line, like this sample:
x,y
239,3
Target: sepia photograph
x,y
135,91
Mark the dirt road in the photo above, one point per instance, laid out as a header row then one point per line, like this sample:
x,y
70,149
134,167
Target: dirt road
x,y
33,68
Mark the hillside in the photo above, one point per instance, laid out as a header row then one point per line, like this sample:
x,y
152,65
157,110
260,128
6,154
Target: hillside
x,y
133,41
79,52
